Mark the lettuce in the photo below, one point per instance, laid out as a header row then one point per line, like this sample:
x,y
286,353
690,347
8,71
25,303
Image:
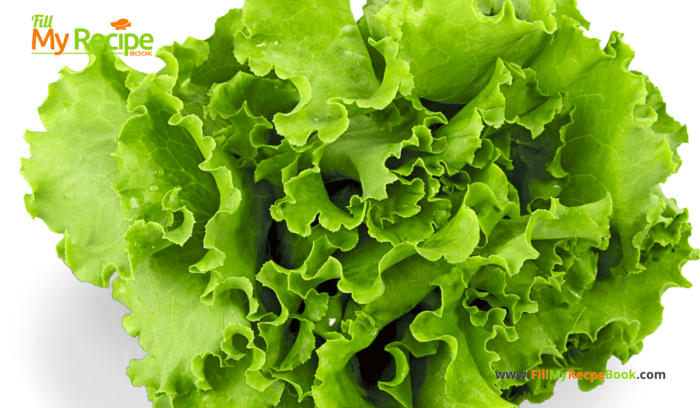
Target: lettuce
x,y
304,210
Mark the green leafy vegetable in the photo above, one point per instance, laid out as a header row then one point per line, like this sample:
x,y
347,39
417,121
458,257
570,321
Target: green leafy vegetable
x,y
308,211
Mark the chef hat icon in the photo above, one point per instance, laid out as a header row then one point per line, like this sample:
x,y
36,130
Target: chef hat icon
x,y
121,24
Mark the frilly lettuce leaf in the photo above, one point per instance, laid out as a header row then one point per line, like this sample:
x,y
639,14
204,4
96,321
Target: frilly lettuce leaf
x,y
460,373
612,110
165,298
322,33
453,46
71,168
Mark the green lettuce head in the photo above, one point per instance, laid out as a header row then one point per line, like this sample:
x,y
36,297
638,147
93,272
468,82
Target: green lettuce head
x,y
308,211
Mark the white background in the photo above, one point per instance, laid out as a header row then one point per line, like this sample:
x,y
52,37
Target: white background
x,y
62,342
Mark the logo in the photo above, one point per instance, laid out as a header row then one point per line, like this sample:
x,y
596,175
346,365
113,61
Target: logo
x,y
49,42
